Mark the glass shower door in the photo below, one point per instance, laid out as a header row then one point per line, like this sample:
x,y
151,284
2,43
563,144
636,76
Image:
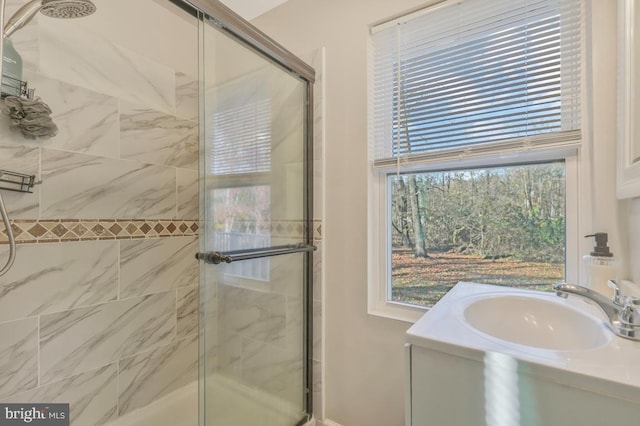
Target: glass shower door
x,y
254,242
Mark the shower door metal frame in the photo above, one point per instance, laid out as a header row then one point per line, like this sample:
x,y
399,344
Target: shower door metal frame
x,y
237,27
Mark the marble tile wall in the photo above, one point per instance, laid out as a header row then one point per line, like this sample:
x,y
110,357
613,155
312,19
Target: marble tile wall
x,y
86,338
259,329
71,326
18,356
146,377
87,121
40,281
101,307
92,395
68,333
103,67
150,266
154,137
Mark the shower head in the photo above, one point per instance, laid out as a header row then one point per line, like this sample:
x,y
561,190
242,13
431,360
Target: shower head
x,y
64,9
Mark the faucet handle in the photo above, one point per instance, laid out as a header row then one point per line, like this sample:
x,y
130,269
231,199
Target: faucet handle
x,y
630,315
617,297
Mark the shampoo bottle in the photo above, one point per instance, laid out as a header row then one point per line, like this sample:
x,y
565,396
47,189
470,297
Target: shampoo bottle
x,y
11,70
601,265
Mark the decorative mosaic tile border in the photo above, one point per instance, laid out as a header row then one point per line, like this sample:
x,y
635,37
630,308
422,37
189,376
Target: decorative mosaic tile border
x,y
281,228
28,231
317,229
294,229
31,231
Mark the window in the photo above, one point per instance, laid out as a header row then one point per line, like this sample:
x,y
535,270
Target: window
x,y
242,221
240,159
469,101
499,225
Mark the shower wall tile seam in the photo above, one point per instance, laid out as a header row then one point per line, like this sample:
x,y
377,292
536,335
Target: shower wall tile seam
x,y
95,305
175,340
32,317
117,361
38,353
175,315
156,291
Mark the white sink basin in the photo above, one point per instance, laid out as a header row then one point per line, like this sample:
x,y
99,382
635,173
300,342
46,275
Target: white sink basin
x,y
536,321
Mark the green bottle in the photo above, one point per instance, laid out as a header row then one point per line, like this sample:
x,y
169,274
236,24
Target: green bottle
x,y
11,70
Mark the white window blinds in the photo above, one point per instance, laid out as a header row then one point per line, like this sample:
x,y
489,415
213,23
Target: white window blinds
x,y
474,77
242,139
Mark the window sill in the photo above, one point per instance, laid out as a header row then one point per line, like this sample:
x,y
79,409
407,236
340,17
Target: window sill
x,y
398,311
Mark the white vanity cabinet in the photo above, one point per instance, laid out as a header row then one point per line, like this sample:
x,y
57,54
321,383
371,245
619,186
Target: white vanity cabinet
x,y
453,390
442,389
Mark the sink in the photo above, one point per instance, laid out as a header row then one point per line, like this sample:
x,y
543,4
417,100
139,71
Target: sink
x,y
484,342
517,356
537,321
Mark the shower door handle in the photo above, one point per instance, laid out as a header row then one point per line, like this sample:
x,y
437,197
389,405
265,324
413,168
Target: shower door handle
x,y
213,257
216,257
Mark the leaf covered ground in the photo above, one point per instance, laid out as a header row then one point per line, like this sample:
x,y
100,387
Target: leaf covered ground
x,y
424,281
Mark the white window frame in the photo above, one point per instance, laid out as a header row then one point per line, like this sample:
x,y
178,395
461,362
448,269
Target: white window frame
x,y
578,222
379,247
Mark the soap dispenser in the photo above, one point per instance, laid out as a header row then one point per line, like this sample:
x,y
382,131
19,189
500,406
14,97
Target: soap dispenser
x,y
601,265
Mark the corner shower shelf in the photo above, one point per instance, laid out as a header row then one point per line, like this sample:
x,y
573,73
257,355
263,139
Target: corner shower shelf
x,y
14,87
17,182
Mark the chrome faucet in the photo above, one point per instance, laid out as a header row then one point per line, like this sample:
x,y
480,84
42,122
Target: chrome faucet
x,y
623,312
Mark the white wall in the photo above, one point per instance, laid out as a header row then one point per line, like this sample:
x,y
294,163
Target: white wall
x,y
609,214
364,354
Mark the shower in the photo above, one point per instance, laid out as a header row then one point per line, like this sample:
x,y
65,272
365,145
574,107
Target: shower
x,y
227,172
64,9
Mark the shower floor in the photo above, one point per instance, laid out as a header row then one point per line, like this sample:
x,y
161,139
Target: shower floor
x,y
180,407
229,403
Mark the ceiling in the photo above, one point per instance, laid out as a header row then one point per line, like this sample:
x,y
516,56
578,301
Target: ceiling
x,y
250,9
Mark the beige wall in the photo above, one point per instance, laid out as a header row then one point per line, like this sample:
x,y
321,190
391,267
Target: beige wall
x,y
364,375
609,214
